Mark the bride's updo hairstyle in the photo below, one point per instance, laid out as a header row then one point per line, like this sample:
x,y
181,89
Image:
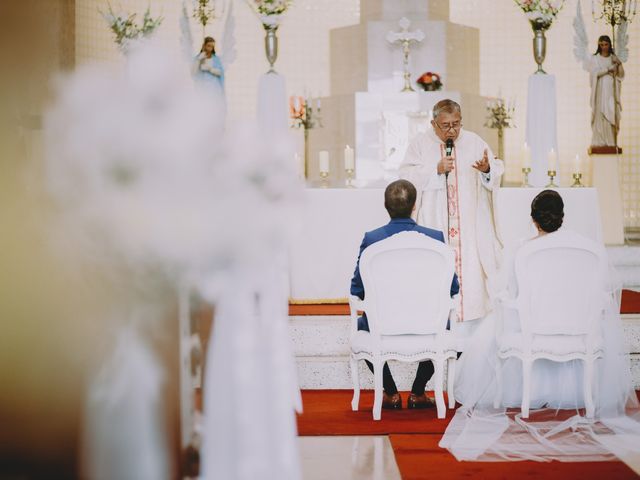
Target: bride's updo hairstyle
x,y
547,210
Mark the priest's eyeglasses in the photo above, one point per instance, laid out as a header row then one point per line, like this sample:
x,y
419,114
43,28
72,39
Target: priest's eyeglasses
x,y
445,127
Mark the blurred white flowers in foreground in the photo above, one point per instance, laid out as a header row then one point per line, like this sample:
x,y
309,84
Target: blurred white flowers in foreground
x,y
142,170
139,162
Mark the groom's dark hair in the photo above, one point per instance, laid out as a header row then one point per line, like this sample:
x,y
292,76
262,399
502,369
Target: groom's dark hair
x,y
399,198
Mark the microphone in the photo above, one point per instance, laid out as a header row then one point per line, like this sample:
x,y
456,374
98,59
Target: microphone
x,y
448,150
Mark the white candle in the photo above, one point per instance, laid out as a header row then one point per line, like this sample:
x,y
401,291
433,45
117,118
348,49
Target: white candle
x,y
577,164
526,156
349,159
553,159
296,103
323,160
318,103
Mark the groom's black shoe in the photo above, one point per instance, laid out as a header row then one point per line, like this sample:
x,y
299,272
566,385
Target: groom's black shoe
x,y
420,401
391,402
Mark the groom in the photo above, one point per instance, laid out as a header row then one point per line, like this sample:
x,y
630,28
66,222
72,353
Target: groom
x,y
399,200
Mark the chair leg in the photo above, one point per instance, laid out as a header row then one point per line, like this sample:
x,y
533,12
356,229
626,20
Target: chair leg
x,y
526,387
437,387
355,377
497,401
451,373
588,390
377,386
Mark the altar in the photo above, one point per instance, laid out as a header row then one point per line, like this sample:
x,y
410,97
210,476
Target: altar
x,y
323,257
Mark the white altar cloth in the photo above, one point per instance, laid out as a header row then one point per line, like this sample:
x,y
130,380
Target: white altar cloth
x,y
324,256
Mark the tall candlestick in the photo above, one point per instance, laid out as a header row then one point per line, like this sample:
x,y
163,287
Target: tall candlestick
x,y
526,156
349,158
323,160
553,159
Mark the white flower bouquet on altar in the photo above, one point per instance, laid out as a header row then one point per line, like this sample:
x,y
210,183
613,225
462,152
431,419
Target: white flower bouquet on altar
x,y
270,11
540,13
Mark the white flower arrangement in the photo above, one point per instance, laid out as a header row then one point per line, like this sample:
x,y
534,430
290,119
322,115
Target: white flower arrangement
x,y
126,29
130,162
269,11
541,12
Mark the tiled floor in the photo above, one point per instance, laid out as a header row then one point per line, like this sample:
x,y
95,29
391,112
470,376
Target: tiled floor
x,y
348,458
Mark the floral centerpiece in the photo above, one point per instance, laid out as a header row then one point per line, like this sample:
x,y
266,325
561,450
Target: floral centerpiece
x,y
269,11
540,13
297,110
126,29
430,82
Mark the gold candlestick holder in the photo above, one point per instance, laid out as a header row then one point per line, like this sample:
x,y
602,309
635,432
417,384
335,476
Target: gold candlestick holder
x,y
525,177
324,179
349,180
552,175
576,180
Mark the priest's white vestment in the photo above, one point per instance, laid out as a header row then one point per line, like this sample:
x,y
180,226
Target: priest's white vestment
x,y
460,204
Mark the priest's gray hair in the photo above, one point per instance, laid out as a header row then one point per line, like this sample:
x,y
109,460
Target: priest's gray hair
x,y
447,106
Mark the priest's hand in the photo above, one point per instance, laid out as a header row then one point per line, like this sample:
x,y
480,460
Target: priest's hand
x,y
445,165
483,164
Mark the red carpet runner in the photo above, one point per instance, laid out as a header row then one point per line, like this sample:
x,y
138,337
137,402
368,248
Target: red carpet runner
x,y
630,304
414,435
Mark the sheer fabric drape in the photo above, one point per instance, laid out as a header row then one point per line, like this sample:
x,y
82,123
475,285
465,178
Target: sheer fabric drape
x,y
557,429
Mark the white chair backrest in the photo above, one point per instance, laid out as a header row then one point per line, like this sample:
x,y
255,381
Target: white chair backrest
x,y
561,285
407,280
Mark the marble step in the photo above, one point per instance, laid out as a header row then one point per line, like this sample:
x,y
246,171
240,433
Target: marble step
x,y
626,260
321,347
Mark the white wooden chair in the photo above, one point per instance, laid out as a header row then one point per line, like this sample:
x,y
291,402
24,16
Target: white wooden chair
x,y
560,304
407,280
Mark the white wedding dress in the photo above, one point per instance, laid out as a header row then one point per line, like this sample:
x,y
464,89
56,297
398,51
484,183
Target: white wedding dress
x,y
555,430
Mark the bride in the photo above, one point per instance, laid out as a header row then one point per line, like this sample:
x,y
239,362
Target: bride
x,y
556,429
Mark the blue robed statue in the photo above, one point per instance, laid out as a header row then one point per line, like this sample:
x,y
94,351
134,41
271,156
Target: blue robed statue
x,y
208,69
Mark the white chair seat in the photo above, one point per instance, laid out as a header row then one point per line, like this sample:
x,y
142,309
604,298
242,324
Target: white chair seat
x,y
551,345
407,280
561,285
404,346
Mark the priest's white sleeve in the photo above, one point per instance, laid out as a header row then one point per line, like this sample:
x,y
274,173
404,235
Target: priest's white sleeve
x,y
418,169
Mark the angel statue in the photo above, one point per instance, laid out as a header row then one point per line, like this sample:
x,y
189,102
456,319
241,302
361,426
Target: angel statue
x,y
208,66
606,74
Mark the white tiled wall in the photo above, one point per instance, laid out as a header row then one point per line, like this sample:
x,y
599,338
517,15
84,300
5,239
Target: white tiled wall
x,y
506,62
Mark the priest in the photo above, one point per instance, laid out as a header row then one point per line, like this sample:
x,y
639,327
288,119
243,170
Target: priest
x,y
456,175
